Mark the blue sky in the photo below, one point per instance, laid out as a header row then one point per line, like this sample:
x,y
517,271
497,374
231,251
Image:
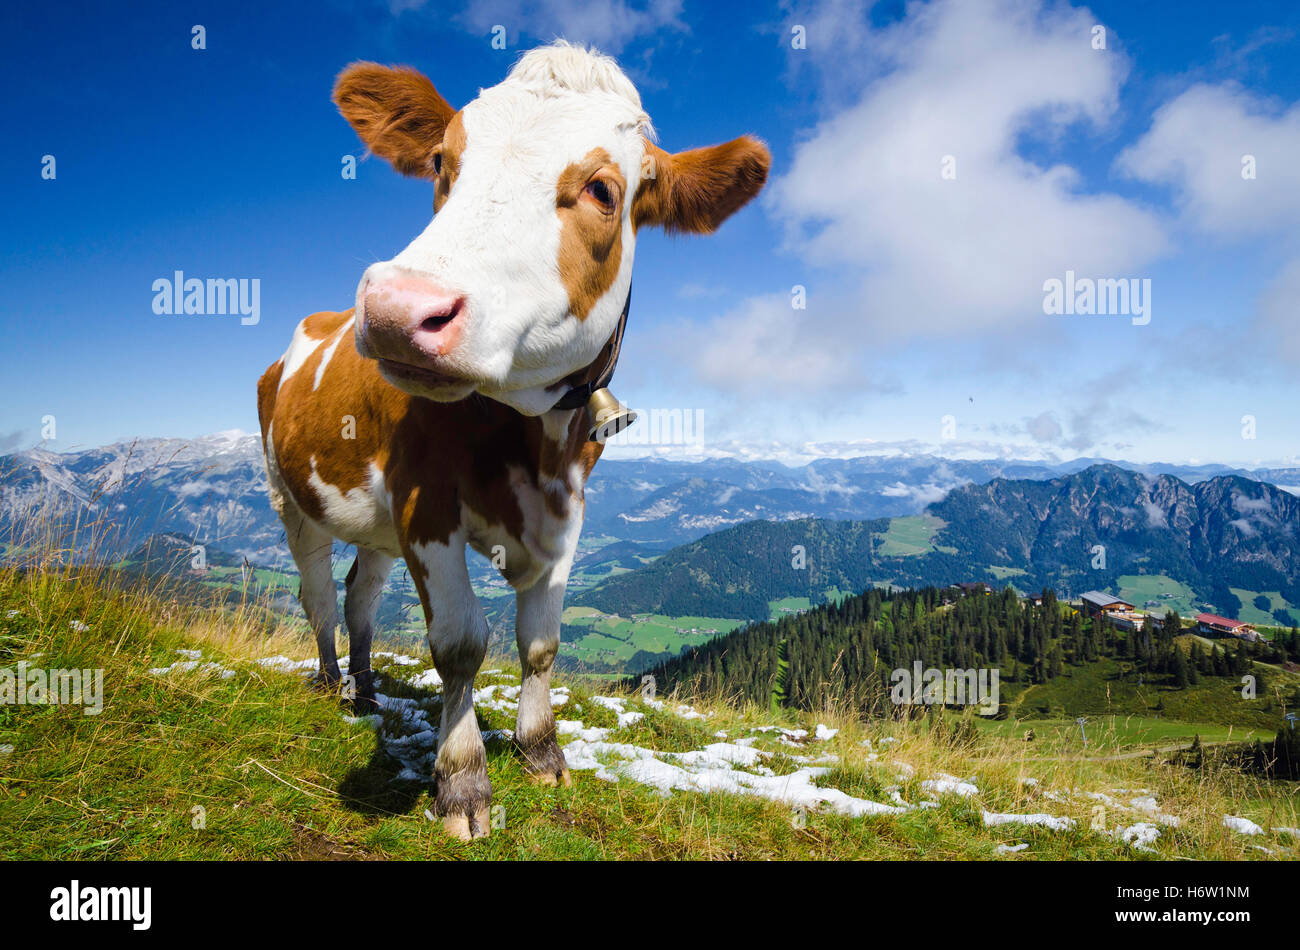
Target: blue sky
x,y
924,292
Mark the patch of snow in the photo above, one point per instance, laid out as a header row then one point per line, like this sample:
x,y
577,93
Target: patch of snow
x,y
1141,835
1242,825
710,770
824,733
401,659
286,665
79,627
1047,821
948,785
429,679
1012,848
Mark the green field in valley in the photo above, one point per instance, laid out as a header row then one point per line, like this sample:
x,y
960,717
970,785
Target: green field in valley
x,y
1137,589
909,537
611,639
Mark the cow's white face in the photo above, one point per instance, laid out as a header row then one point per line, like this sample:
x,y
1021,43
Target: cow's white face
x,y
517,284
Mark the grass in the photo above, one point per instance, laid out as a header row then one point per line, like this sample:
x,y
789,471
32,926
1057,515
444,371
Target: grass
x,y
1108,687
909,536
259,766
1137,589
615,640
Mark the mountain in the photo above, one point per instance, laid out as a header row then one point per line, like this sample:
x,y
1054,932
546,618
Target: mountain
x,y
1090,529
211,489
740,521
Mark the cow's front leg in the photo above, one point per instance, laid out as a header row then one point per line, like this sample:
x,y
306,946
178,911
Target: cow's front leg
x,y
537,631
458,634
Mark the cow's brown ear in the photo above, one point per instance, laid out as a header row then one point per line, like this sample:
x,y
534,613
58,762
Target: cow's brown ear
x,y
396,111
697,190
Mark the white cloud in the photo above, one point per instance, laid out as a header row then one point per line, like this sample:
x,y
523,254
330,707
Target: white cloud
x,y
896,253
951,257
1196,145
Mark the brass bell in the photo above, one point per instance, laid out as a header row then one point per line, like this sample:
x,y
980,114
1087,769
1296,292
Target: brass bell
x,y
606,416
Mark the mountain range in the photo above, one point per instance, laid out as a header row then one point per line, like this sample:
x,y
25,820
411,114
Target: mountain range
x,y
213,489
1104,527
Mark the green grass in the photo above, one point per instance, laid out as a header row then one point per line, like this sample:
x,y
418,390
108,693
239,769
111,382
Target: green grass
x,y
1109,687
1252,614
275,772
614,640
1137,589
787,605
910,536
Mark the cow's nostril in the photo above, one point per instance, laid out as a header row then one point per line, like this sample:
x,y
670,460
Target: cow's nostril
x,y
438,318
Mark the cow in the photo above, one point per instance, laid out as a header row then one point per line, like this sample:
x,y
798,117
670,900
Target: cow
x,y
435,413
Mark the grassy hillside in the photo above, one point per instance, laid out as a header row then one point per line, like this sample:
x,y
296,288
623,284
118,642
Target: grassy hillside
x,y
237,759
1109,687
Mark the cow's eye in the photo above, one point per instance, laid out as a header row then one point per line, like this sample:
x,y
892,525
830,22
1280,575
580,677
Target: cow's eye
x,y
599,190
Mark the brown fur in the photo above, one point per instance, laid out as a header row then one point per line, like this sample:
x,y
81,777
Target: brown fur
x,y
591,238
433,455
695,191
397,112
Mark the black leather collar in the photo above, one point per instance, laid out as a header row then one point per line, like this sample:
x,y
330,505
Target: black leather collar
x,y
576,398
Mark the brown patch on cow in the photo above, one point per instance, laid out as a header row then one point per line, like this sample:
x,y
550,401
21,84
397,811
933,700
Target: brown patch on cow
x,y
591,236
322,326
435,456
396,111
453,147
310,420
697,190
267,386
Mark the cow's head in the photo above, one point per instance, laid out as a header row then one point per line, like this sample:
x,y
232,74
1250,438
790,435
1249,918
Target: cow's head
x,y
540,185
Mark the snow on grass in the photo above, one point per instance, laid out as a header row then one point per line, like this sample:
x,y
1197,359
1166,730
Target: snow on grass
x,y
948,785
1012,849
192,664
711,770
1242,825
285,665
429,679
401,659
1054,822
1141,835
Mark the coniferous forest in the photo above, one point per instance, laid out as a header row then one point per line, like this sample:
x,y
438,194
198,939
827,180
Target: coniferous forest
x,y
846,652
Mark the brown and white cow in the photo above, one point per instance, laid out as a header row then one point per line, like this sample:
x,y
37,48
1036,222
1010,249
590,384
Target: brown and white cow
x,y
424,418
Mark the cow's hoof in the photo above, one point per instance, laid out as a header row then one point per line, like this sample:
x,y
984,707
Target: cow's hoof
x,y
544,763
556,779
468,827
462,801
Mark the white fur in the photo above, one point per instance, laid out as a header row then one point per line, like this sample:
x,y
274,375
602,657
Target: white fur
x,y
497,238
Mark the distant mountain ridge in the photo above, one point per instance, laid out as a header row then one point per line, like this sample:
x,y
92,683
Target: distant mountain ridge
x,y
1070,533
213,490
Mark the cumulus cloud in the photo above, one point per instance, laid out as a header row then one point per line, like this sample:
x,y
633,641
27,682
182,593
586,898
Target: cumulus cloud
x,y
894,252
1199,144
958,256
1230,158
